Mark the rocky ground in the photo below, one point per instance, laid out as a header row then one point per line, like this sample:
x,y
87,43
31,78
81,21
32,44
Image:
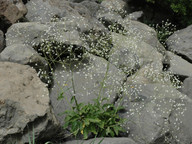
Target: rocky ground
x,y
49,47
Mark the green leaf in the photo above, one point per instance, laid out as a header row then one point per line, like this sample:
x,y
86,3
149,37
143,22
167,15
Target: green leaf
x,y
93,129
72,99
75,132
60,96
94,120
111,133
116,130
80,105
85,133
86,122
120,108
108,131
101,124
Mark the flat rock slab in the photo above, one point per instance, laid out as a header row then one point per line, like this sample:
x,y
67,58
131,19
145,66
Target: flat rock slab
x,y
181,123
187,87
104,141
181,42
23,54
148,109
179,66
24,105
32,33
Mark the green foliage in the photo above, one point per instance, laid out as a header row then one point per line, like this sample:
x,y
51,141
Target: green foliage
x,y
164,30
99,1
182,8
100,119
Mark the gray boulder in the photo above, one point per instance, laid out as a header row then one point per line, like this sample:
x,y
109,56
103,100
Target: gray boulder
x,y
118,6
143,32
22,54
148,109
180,42
135,15
54,10
86,79
121,140
187,87
92,6
2,41
24,105
11,11
180,121
26,55
25,33
179,66
140,53
43,11
32,33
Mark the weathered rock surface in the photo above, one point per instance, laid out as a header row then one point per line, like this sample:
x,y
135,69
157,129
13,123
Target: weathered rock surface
x,y
141,53
25,33
105,141
135,15
148,110
144,33
26,55
10,12
179,66
92,6
180,122
43,11
32,33
187,87
46,11
133,71
2,41
180,42
24,105
119,6
22,54
84,80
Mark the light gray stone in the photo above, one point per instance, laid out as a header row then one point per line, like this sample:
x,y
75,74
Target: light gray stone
x,y
179,66
180,121
46,10
42,11
32,33
142,53
22,54
143,32
187,87
119,6
25,33
24,105
135,15
180,42
148,109
121,140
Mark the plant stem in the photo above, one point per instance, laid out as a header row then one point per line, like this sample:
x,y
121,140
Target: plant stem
x,y
103,82
73,85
